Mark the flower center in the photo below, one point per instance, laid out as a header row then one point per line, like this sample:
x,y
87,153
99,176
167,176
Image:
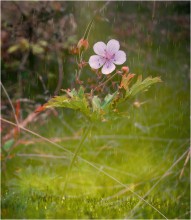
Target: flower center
x,y
108,56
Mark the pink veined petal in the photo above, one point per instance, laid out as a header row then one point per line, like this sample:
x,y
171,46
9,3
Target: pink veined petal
x,y
119,58
108,67
112,47
96,61
99,48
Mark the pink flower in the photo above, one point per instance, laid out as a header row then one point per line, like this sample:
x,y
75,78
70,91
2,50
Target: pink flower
x,y
107,56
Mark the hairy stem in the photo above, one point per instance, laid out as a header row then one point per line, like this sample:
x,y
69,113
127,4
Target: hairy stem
x,y
79,147
104,83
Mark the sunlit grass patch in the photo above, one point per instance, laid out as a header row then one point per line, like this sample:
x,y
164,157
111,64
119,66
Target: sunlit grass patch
x,y
90,192
36,204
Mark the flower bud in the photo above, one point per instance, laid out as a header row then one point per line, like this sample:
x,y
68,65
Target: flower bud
x,y
83,44
125,69
137,104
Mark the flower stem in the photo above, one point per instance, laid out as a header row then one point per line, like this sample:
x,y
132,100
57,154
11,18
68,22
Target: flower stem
x,y
102,84
85,134
80,60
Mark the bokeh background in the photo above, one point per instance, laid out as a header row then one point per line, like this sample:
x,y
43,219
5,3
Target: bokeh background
x,y
37,61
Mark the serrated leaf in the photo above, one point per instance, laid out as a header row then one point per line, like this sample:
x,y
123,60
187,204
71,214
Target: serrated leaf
x,y
141,85
73,99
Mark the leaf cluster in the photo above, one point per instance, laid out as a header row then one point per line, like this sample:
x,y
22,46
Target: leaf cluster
x,y
95,108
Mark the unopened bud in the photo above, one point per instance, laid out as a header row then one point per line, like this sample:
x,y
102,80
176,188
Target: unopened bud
x,y
137,104
125,69
83,44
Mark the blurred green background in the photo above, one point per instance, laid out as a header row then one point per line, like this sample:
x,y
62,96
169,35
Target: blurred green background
x,y
136,150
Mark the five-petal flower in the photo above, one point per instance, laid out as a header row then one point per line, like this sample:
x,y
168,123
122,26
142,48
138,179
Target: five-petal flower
x,y
107,56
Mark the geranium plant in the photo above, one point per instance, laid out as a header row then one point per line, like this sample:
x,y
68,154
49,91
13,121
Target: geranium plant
x,y
98,103
95,106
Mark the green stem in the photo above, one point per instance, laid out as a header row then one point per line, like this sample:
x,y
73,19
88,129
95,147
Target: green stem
x,y
102,84
85,134
80,60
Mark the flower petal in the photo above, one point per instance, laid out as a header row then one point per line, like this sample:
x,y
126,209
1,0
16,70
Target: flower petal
x,y
108,67
120,57
96,61
99,48
112,46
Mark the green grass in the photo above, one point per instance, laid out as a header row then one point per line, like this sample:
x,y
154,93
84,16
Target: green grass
x,y
41,205
37,185
136,150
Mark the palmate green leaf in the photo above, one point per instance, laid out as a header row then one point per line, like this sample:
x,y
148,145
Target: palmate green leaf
x,y
141,85
73,100
77,100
